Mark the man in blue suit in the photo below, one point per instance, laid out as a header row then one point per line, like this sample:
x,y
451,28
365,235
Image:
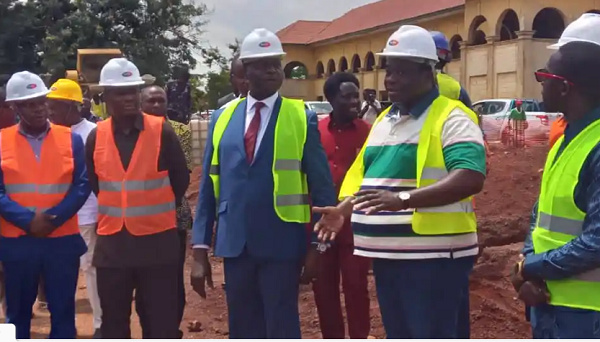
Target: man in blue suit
x,y
263,158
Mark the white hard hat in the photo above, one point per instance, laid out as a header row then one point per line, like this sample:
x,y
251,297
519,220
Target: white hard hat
x,y
119,72
411,41
585,29
25,85
261,43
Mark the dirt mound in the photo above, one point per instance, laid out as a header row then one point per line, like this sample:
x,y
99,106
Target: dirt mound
x,y
512,187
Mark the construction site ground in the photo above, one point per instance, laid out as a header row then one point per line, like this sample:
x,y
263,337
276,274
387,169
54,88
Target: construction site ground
x,y
503,210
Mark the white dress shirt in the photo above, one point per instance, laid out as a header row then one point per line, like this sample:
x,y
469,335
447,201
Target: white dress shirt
x,y
265,115
88,214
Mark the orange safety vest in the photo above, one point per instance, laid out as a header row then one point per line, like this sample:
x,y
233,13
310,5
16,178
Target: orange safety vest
x,y
139,198
37,185
557,129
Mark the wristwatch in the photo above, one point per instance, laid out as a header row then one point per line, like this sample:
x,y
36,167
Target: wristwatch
x,y
322,247
404,197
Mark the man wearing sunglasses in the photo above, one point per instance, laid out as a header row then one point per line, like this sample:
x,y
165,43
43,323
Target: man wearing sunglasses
x,y
559,273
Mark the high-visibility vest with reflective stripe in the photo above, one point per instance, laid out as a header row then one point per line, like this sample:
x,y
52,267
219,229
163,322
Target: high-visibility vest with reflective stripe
x,y
559,220
140,198
453,218
448,86
290,195
37,185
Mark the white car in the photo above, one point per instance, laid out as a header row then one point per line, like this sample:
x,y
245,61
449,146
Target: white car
x,y
494,115
322,108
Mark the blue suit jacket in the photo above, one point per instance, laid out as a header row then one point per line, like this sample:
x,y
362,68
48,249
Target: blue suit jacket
x,y
246,216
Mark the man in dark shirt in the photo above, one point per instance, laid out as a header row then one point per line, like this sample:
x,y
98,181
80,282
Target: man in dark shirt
x,y
343,135
124,262
179,96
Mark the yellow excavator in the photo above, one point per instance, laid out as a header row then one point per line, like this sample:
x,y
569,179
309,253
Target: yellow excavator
x,y
89,64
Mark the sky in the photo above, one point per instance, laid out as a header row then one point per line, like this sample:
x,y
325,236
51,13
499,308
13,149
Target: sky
x,y
232,19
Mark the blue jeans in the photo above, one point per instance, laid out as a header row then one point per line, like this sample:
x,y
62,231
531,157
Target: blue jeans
x,y
423,298
549,321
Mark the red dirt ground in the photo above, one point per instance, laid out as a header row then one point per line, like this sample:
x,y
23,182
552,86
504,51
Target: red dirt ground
x,y
503,212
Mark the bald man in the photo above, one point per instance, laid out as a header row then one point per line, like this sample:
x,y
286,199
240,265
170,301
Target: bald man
x,y
154,102
237,78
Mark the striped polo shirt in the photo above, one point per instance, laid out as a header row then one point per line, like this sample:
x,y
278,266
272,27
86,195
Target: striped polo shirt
x,y
391,164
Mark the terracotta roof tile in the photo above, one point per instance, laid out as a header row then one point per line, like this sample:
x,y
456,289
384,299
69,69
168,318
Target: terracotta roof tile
x,y
302,31
362,18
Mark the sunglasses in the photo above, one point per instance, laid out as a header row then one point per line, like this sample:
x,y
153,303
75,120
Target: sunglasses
x,y
543,75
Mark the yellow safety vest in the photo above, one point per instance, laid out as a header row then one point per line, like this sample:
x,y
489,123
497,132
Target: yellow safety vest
x,y
290,195
559,220
454,218
448,86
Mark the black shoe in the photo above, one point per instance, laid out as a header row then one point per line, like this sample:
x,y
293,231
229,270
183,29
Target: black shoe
x,y
97,334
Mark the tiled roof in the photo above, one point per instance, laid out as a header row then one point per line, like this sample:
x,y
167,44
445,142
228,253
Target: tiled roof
x,y
362,18
302,31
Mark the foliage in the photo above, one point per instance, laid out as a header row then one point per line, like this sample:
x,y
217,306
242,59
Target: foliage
x,y
44,35
217,82
299,73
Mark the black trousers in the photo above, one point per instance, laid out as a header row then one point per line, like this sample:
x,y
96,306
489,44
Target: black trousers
x,y
156,289
139,304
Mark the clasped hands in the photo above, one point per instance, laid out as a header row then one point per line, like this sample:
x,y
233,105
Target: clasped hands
x,y
41,225
532,292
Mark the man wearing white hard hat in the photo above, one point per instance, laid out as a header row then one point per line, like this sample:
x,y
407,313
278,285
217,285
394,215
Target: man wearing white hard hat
x,y
585,29
409,195
264,164
43,183
139,174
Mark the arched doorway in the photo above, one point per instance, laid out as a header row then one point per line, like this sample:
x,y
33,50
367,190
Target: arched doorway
x,y
369,61
476,34
549,23
356,64
320,70
343,64
330,67
508,25
295,70
455,46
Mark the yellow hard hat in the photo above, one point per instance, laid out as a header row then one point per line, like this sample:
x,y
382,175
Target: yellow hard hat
x,y
65,89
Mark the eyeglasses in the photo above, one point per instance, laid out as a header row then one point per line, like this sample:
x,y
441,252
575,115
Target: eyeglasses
x,y
542,75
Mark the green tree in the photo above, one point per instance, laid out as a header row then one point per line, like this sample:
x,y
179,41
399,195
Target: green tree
x,y
44,35
217,82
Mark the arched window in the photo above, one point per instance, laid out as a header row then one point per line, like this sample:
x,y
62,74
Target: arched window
x,y
343,64
549,23
508,25
476,35
330,67
295,70
355,64
320,70
455,46
369,61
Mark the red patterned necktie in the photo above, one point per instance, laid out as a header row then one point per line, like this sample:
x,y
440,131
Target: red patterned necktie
x,y
252,132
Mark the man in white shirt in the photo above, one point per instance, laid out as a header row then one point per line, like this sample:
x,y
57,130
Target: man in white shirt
x,y
65,100
370,107
238,80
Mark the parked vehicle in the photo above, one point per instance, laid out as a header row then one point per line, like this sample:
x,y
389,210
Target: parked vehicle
x,y
319,107
494,115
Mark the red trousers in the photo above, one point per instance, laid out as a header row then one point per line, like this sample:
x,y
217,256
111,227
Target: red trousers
x,y
340,260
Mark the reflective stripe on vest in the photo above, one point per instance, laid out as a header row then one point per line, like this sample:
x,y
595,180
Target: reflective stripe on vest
x,y
453,218
47,189
136,211
140,198
37,185
290,197
559,220
135,185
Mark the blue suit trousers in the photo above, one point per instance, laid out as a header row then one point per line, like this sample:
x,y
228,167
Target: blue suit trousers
x,y
553,322
262,297
60,274
423,299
